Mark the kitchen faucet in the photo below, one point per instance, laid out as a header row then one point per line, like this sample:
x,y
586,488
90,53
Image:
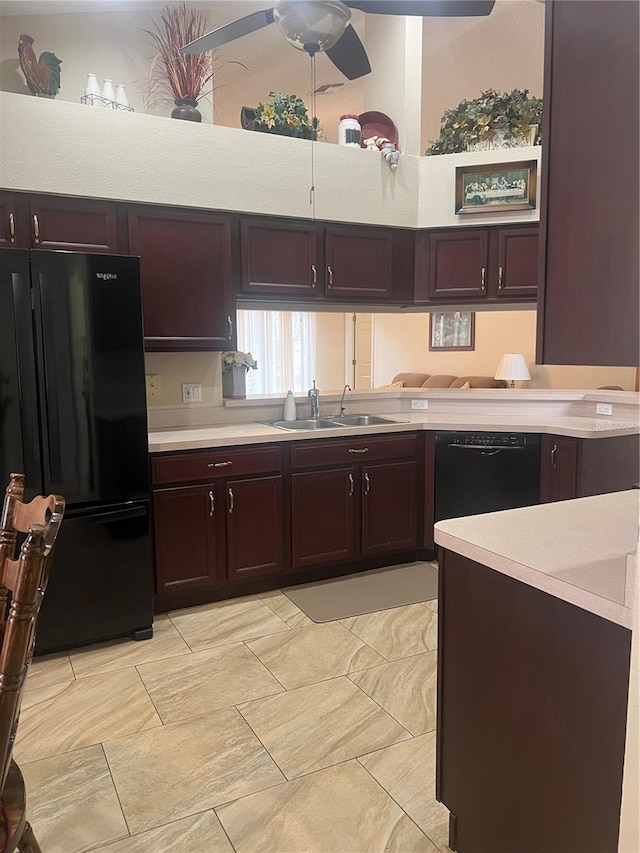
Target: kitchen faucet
x,y
342,406
313,399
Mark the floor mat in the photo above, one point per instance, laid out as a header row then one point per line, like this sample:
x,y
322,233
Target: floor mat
x,y
366,592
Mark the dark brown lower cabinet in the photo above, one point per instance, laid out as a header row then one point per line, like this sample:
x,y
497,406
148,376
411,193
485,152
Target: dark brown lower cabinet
x,y
188,545
322,517
254,527
389,507
532,708
558,469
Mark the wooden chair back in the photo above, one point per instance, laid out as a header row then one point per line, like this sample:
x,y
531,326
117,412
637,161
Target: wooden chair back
x,y
24,578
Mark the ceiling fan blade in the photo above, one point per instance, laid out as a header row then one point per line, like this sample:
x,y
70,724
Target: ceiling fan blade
x,y
230,32
349,56
424,8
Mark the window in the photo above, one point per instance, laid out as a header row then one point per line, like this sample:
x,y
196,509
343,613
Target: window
x,y
284,345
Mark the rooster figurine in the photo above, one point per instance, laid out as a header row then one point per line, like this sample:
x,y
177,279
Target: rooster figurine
x,y
43,75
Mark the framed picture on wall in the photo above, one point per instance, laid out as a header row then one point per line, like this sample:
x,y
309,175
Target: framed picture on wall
x,y
496,187
452,330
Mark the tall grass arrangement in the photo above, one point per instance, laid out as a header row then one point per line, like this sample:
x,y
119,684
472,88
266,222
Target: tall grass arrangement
x,y
174,75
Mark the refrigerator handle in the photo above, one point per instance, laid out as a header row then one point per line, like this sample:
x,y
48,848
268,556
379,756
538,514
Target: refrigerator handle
x,y
50,399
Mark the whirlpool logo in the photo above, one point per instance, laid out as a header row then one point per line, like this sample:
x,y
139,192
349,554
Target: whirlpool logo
x,y
106,276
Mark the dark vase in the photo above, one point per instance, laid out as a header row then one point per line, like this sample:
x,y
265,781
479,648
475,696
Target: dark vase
x,y
186,109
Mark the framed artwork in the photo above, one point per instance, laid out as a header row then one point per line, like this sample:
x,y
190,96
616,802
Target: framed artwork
x,y
452,330
496,187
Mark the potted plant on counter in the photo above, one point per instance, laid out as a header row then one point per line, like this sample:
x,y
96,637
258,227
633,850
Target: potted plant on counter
x,y
494,120
235,365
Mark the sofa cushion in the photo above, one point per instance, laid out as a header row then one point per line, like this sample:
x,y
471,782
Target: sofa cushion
x,y
479,382
410,380
440,381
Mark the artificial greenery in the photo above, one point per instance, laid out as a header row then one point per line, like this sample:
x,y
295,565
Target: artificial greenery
x,y
511,113
235,358
287,115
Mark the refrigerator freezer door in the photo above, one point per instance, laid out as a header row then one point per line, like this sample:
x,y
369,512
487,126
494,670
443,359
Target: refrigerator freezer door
x,y
19,439
100,584
91,363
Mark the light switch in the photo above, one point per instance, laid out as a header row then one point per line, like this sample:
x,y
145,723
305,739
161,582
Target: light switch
x,y
152,381
191,392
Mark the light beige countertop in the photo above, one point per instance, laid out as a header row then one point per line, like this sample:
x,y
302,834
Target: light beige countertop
x,y
189,438
574,550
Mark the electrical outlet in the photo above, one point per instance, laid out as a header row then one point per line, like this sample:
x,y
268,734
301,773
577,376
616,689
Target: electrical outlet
x,y
419,404
152,381
604,409
191,392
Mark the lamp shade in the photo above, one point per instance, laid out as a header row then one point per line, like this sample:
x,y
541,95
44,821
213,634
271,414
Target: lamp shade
x,y
512,366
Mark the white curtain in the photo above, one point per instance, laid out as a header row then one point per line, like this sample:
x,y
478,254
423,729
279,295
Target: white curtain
x,y
284,345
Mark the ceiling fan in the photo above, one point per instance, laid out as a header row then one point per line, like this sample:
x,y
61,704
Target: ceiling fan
x,y
323,25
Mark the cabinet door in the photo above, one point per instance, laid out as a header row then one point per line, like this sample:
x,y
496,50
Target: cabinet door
x,y
75,224
517,262
254,527
187,544
589,305
8,221
389,507
323,517
558,468
359,262
458,261
185,266
278,257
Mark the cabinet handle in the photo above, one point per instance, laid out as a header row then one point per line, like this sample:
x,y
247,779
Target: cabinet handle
x,y
482,278
12,228
36,228
315,275
330,271
554,451
219,464
363,450
231,501
230,327
212,504
367,484
351,485
500,278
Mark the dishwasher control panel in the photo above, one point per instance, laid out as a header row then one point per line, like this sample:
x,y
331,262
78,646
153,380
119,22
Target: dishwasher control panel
x,y
487,439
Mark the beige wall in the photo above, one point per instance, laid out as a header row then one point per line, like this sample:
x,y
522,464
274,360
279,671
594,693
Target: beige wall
x,y
463,56
401,343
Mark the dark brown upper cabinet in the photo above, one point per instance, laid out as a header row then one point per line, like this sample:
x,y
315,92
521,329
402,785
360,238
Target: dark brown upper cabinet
x,y
279,256
589,295
517,273
185,260
458,263
60,222
359,262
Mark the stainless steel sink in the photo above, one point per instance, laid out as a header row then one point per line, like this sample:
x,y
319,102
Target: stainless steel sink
x,y
310,423
364,420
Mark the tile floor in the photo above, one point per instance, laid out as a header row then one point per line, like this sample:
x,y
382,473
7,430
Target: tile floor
x,y
242,725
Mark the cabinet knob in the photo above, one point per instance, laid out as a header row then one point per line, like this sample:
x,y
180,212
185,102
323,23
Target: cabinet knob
x,y
231,501
229,327
351,485
367,483
500,278
36,228
315,275
361,450
12,228
330,273
212,504
483,274
219,464
554,451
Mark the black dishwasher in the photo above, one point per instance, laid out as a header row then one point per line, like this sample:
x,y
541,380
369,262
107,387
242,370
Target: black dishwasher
x,y
485,472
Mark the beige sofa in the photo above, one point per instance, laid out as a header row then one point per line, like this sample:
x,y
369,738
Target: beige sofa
x,y
424,380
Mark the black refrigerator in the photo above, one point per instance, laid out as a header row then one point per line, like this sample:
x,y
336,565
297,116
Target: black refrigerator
x,y
73,419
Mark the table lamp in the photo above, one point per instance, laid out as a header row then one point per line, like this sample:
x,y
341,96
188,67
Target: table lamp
x,y
512,366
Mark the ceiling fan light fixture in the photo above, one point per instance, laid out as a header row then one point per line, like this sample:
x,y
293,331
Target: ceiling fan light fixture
x,y
312,23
